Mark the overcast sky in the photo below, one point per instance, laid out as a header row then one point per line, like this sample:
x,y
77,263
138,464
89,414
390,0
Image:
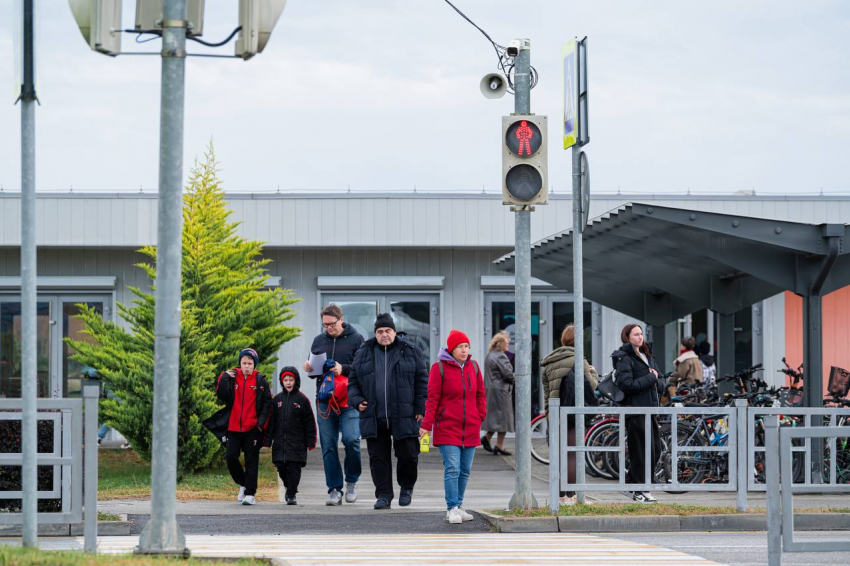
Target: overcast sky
x,y
383,95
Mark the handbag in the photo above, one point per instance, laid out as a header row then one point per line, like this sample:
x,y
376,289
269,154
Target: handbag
x,y
608,387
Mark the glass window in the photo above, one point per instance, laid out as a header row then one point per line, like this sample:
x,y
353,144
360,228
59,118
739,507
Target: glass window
x,y
10,349
414,319
360,314
73,372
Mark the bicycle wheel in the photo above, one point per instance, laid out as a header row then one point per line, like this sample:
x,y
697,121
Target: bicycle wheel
x,y
540,439
595,461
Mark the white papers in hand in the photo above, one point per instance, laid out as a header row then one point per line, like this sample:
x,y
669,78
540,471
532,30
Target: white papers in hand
x,y
317,361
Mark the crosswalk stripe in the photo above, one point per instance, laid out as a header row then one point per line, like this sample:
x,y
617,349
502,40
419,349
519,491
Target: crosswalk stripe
x,y
426,549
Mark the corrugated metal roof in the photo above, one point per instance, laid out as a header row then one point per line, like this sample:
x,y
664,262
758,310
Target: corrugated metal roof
x,y
370,220
660,263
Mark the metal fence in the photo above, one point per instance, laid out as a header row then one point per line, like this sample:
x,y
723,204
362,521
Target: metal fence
x,y
780,475
66,458
742,441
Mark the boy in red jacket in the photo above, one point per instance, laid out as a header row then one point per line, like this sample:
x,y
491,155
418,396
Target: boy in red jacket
x,y
247,399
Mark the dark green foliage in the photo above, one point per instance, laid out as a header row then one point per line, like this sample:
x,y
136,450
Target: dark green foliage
x,y
10,476
225,308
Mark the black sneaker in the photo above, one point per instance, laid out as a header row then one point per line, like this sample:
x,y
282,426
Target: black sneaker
x,y
405,497
485,444
290,499
382,504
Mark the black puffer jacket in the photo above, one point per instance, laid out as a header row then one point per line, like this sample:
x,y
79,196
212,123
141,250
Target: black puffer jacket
x,y
292,426
340,349
634,378
407,388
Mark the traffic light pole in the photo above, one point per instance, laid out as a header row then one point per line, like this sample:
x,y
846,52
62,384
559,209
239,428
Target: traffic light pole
x,y
523,497
162,535
29,375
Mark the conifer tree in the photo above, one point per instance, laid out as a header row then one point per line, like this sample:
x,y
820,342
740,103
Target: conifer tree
x,y
225,308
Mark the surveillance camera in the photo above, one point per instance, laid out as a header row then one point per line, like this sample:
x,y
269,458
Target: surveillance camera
x,y
517,45
513,47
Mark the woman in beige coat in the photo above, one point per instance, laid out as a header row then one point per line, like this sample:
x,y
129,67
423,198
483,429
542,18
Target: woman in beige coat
x,y
556,366
499,380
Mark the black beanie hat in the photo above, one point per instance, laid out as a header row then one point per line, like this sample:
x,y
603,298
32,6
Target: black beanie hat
x,y
384,321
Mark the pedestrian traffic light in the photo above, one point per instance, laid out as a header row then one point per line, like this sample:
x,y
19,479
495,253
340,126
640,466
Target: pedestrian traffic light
x,y
257,19
100,23
525,164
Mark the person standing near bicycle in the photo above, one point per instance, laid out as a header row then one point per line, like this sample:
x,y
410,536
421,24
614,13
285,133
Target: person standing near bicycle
x,y
556,366
637,376
499,382
687,368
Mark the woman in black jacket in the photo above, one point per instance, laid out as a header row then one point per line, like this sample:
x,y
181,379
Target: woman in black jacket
x,y
637,377
292,431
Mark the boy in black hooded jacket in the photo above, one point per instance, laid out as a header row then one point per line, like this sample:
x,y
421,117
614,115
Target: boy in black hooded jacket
x,y
292,431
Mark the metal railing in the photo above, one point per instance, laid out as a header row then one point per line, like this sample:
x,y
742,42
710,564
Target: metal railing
x,y
744,445
779,475
66,459
559,450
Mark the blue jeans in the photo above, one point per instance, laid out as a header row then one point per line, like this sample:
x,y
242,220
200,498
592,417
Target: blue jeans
x,y
347,422
457,463
103,431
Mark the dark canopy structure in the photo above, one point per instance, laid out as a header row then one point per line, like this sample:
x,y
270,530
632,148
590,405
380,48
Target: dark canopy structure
x,y
658,264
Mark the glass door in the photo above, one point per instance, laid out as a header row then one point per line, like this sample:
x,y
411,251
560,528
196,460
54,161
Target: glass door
x,y
11,334
73,372
500,314
416,315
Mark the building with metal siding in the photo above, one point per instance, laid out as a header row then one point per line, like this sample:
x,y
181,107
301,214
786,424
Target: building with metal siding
x,y
432,253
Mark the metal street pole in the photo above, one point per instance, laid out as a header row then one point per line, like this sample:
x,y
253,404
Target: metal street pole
x,y
578,313
162,535
29,375
523,498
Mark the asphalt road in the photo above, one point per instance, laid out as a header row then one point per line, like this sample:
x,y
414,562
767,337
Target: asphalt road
x,y
742,549
370,523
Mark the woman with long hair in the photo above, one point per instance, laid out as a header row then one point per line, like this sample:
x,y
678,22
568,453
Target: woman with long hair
x,y
556,367
637,376
499,382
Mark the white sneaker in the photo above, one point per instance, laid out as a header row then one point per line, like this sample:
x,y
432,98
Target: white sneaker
x,y
249,500
351,493
566,500
334,498
644,497
241,495
453,516
464,515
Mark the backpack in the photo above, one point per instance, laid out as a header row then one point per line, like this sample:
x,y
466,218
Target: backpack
x,y
567,394
325,392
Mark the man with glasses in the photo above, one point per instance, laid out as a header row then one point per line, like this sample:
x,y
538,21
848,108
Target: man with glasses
x,y
339,342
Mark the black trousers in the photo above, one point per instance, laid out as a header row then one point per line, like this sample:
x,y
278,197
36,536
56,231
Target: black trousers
x,y
381,464
635,427
249,443
290,473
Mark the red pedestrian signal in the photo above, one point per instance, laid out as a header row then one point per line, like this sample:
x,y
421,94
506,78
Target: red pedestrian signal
x,y
524,160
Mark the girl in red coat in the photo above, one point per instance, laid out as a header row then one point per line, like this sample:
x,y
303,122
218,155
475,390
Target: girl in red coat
x,y
455,408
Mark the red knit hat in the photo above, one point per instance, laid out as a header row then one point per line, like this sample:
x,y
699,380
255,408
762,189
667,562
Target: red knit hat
x,y
456,337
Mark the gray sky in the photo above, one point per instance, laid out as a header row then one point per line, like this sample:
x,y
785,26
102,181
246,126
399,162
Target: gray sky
x,y
383,95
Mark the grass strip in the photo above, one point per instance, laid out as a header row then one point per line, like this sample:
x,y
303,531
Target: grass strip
x,y
641,509
124,475
16,556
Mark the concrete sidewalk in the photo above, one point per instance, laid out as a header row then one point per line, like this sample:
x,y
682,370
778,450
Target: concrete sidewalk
x,y
490,487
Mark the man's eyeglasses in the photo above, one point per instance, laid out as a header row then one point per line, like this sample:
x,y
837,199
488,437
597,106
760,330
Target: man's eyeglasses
x,y
330,324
